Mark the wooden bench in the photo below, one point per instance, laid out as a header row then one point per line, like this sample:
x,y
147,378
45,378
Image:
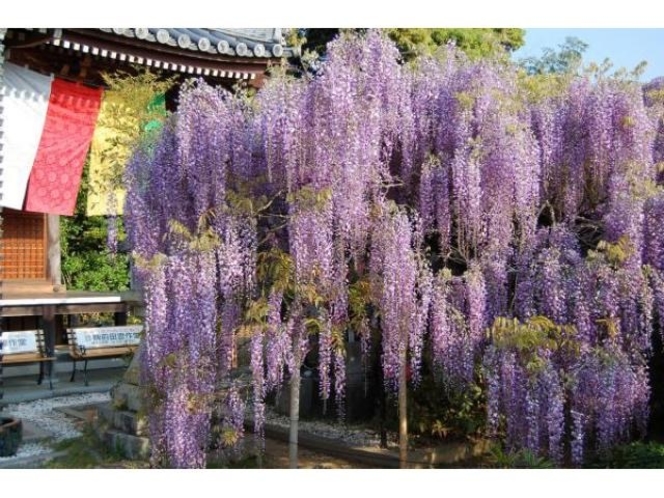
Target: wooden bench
x,y
26,347
101,342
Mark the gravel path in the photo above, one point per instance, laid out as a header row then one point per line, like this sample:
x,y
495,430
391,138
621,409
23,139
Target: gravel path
x,y
43,415
347,434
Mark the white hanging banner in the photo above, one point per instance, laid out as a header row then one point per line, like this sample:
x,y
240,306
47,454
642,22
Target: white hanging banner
x,y
25,96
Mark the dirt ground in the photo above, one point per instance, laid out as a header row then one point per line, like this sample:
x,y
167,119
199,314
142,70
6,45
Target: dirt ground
x,y
276,457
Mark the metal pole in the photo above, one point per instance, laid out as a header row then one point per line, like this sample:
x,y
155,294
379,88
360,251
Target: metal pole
x,y
2,61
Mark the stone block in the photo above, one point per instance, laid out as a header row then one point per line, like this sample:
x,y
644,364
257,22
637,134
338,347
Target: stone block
x,y
132,447
127,397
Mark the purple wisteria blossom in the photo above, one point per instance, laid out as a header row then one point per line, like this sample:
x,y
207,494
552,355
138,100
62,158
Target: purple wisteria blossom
x,y
455,193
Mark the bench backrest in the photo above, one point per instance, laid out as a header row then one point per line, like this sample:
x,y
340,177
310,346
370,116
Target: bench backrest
x,y
22,342
105,337
23,346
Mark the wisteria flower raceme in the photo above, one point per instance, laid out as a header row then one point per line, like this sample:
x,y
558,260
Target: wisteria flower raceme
x,y
457,194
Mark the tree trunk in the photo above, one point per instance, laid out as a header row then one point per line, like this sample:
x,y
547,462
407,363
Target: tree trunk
x,y
294,410
403,410
382,400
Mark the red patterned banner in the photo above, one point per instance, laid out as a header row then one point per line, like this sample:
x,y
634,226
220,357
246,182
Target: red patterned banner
x,y
56,172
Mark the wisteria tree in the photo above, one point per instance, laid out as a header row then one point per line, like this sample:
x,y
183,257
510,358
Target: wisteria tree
x,y
506,224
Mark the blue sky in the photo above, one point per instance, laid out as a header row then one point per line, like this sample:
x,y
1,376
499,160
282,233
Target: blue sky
x,y
623,47
616,30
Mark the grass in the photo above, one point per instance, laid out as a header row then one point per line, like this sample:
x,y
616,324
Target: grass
x,y
635,455
248,462
89,452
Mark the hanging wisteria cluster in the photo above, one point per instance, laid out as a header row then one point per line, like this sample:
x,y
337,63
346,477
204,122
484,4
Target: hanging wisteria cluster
x,y
193,256
513,233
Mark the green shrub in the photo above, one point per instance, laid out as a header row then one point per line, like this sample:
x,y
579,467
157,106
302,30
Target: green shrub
x,y
498,458
637,455
86,261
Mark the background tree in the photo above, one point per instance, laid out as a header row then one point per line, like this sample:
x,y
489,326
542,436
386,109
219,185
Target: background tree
x,y
94,256
87,262
567,58
476,42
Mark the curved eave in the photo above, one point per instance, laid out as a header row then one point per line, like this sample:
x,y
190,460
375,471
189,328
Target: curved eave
x,y
159,56
193,41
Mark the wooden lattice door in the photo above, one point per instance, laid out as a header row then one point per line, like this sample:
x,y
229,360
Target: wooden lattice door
x,y
23,246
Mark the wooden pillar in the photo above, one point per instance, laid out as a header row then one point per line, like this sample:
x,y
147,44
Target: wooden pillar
x,y
54,251
73,321
120,317
48,325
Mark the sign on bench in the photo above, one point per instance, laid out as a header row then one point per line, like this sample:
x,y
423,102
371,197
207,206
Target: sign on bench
x,y
104,337
24,341
25,347
101,342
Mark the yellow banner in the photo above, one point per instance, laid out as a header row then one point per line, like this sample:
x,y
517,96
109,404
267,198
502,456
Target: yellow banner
x,y
109,152
115,134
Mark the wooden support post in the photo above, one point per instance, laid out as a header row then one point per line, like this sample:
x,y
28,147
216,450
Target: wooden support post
x,y
48,325
120,317
53,251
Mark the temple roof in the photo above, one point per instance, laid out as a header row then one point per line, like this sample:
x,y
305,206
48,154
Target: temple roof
x,y
265,42
216,52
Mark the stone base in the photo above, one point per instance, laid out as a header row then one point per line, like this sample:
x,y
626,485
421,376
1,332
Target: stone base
x,y
123,431
122,420
132,447
120,423
127,397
